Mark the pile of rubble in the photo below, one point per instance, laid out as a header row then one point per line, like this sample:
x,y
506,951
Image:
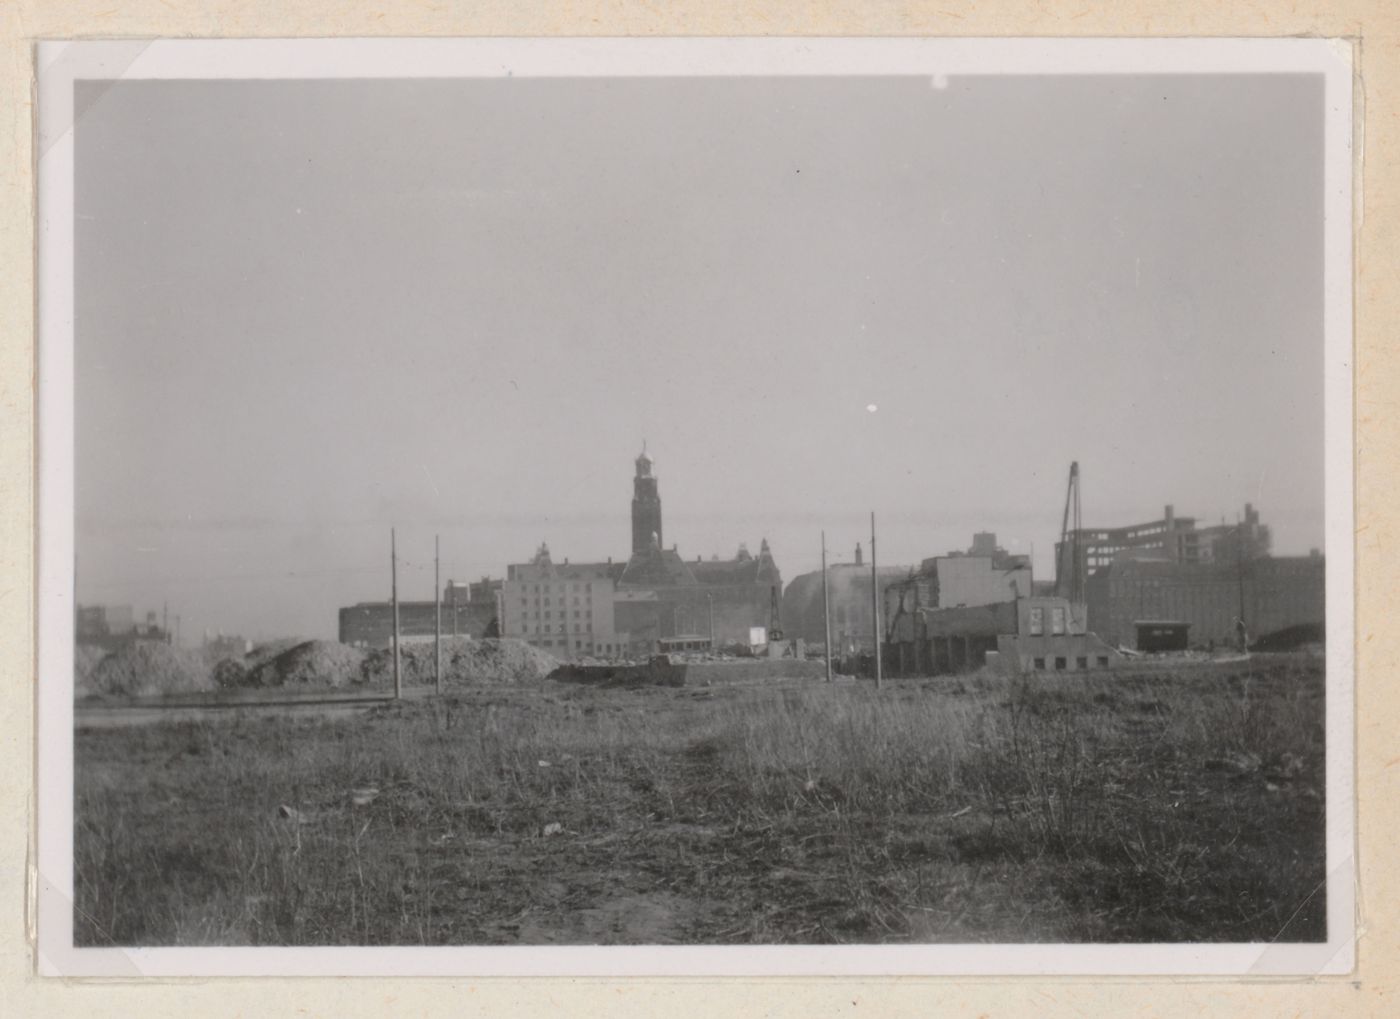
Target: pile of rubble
x,y
150,668
147,668
321,662
465,662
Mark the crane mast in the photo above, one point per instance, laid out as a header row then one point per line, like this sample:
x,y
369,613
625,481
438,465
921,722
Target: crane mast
x,y
1069,567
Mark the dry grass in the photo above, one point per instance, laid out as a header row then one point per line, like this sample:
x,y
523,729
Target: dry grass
x,y
1138,807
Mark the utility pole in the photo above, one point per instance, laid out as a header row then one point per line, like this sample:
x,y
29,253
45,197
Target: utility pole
x,y
826,610
437,616
394,593
1239,570
875,602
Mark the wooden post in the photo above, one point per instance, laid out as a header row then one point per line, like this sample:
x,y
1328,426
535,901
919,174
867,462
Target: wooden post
x,y
437,616
826,610
875,602
394,593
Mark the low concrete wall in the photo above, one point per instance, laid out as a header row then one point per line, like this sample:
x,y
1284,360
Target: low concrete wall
x,y
761,668
692,673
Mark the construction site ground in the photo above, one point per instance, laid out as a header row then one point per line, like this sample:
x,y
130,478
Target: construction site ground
x,y
1153,805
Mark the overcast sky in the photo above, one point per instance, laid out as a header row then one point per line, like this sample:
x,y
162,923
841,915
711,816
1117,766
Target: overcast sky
x,y
309,310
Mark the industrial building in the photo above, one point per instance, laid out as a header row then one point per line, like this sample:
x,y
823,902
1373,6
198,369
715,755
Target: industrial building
x,y
465,611
1171,539
1209,583
1268,593
983,575
115,626
1029,634
852,610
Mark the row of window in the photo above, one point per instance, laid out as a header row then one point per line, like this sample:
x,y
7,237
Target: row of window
x,y
597,649
562,588
1081,662
547,601
563,614
552,627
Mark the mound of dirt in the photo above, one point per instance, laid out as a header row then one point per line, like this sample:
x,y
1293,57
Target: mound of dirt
x,y
85,660
269,650
230,674
465,662
150,668
319,662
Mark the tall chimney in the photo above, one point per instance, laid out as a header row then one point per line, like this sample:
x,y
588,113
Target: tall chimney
x,y
859,560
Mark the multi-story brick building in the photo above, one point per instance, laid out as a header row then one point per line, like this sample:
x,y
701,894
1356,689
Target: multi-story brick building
x,y
565,608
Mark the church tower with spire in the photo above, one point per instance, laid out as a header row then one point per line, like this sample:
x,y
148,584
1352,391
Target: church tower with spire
x,y
646,507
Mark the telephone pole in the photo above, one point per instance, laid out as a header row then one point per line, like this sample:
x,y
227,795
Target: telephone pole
x,y
826,610
1239,570
437,616
394,593
875,602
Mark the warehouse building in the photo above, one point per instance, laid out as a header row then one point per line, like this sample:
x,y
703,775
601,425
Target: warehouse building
x,y
1270,594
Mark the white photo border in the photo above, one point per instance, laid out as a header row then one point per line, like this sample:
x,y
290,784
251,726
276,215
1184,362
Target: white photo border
x,y
60,64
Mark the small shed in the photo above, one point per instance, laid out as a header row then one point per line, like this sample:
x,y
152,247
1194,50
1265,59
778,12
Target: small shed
x,y
1162,635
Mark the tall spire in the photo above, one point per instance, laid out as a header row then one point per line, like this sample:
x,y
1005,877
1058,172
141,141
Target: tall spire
x,y
646,507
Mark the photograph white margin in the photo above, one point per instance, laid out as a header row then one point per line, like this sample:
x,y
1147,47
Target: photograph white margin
x,y
61,63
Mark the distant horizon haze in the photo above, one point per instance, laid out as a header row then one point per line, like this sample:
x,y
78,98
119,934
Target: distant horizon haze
x,y
309,311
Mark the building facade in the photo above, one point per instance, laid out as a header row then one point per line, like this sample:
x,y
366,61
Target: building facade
x,y
1171,539
565,608
849,586
115,626
371,624
1031,634
985,574
1269,593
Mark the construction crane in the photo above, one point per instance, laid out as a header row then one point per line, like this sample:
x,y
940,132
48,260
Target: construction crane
x,y
1069,565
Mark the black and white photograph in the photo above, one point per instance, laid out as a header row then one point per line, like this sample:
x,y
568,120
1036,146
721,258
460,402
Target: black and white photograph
x,y
695,506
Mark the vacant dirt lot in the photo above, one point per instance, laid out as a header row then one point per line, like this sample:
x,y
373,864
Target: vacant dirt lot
x,y
1159,806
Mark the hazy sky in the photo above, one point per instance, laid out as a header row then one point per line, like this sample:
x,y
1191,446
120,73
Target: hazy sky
x,y
307,310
